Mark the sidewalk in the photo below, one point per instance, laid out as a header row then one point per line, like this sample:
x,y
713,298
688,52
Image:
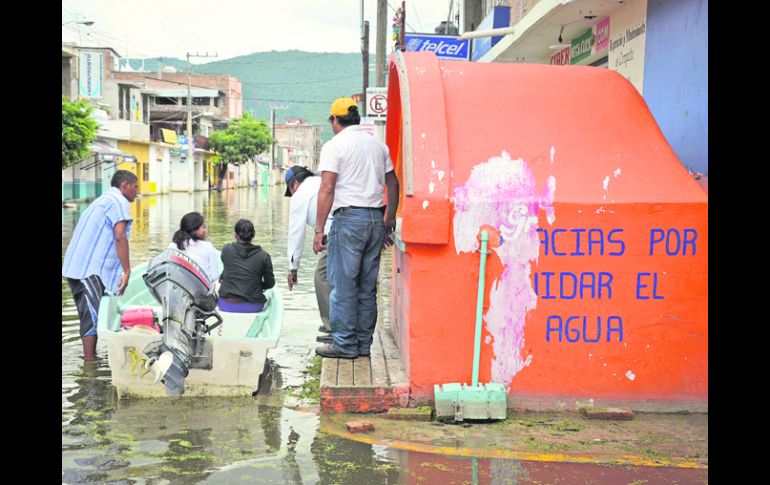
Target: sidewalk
x,y
649,439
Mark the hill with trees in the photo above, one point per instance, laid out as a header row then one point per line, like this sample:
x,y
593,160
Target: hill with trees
x,y
307,82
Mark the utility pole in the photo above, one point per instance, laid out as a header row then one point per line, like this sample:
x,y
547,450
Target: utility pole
x,y
274,169
381,23
190,156
402,33
448,17
365,53
272,146
379,78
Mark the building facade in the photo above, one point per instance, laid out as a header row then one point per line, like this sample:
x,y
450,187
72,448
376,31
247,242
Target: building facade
x,y
297,143
142,116
659,46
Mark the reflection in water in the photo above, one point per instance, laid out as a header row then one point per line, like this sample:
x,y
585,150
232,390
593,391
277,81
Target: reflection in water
x,y
342,461
260,439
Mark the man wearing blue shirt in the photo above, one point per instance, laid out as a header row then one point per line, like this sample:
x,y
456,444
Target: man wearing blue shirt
x,y
97,256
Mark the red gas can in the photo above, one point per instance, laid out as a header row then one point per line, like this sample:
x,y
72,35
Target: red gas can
x,y
138,317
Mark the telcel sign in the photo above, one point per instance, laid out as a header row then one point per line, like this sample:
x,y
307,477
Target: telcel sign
x,y
444,46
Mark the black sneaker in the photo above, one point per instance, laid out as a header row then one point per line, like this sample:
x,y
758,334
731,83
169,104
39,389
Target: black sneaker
x,y
324,339
329,350
324,329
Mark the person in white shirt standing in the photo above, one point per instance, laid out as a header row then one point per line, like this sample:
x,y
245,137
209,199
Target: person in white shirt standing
x,y
302,186
355,169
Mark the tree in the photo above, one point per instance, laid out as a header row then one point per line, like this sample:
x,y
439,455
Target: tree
x,y
242,140
78,130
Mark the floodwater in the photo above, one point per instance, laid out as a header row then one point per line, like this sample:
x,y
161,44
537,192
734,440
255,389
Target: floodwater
x,y
273,437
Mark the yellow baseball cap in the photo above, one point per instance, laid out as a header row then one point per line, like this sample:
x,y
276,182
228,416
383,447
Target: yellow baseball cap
x,y
340,106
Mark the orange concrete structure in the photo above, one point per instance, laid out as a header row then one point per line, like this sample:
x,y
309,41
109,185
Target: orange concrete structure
x,y
597,281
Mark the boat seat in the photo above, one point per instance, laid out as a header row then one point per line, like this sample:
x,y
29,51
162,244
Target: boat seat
x,y
240,324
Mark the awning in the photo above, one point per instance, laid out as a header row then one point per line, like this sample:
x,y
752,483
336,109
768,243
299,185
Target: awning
x,y
105,153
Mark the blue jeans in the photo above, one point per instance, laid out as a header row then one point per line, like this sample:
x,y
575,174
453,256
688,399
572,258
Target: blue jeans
x,y
355,242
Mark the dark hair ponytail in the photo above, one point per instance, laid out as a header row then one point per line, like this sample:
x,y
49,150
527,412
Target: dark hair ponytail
x,y
187,226
245,230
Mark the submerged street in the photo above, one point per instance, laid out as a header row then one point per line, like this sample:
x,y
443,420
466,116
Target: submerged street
x,y
279,435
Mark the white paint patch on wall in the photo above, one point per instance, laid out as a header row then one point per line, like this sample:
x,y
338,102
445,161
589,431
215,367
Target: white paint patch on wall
x,y
440,175
502,193
631,376
606,182
424,204
553,152
431,187
546,202
616,173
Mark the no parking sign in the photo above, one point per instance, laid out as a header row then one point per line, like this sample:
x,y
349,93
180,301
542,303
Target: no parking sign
x,y
377,103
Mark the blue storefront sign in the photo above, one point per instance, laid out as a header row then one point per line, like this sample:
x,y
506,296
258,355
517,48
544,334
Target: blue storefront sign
x,y
444,46
500,17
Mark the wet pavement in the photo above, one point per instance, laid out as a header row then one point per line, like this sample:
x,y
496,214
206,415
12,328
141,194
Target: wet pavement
x,y
280,437
657,440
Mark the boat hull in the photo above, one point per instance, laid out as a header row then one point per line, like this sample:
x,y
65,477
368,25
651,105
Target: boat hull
x,y
238,347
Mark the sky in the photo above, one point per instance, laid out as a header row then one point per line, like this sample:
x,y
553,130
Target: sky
x,y
231,28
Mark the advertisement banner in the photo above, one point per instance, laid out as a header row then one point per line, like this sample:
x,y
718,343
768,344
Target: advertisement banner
x,y
90,71
602,33
561,58
627,41
582,46
444,46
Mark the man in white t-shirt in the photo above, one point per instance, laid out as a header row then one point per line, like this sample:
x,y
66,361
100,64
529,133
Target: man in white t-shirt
x,y
355,168
302,186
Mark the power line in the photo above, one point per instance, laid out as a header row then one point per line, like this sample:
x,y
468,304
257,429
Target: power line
x,y
280,60
108,40
168,19
415,14
170,81
99,33
407,24
287,101
294,83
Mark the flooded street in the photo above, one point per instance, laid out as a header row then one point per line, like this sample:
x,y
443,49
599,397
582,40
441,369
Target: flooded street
x,y
276,436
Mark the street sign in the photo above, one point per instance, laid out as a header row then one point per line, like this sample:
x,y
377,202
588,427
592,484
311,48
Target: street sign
x,y
279,106
377,103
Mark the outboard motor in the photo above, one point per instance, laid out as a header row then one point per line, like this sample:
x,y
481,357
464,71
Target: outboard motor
x,y
188,299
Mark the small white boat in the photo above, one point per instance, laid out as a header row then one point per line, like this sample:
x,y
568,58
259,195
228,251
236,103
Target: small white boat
x,y
222,359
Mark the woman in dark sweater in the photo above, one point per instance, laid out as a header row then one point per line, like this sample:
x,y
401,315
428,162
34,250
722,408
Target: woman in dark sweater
x,y
247,271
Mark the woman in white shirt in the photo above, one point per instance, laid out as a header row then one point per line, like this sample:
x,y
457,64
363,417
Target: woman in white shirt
x,y
191,238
